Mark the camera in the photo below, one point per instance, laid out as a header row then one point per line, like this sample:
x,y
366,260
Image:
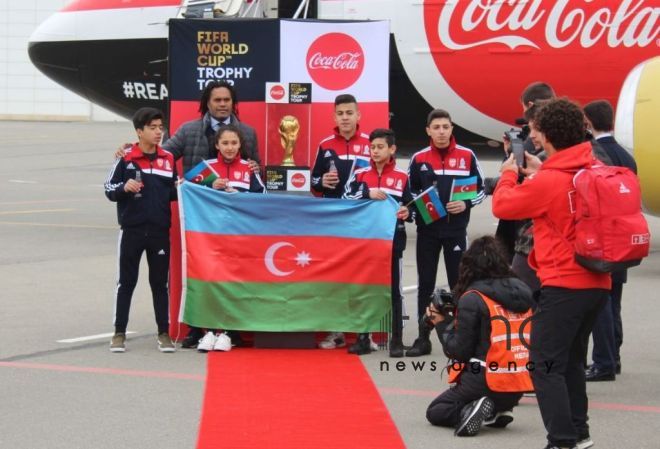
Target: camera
x,y
443,302
517,139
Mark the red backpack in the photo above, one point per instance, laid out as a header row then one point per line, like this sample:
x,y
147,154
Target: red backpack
x,y
611,232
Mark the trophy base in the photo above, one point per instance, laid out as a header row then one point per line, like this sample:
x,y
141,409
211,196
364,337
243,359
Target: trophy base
x,y
288,178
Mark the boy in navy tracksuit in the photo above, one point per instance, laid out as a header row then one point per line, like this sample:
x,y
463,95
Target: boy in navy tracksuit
x,y
142,183
439,164
380,179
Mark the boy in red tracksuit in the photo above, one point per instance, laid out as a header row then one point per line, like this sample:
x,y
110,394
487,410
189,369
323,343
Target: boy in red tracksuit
x,y
380,179
142,183
571,296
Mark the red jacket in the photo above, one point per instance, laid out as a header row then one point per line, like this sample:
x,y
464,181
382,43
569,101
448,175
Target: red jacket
x,y
546,198
239,174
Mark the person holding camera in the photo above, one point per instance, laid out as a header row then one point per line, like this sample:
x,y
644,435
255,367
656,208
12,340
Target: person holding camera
x,y
485,335
571,296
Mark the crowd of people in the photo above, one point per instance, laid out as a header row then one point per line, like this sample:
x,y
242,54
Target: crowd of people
x,y
523,309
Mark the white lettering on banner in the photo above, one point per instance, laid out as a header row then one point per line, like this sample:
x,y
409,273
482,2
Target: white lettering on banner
x,y
229,74
632,24
145,91
343,61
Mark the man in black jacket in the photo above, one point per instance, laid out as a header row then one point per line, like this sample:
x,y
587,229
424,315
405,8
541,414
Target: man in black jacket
x,y
608,329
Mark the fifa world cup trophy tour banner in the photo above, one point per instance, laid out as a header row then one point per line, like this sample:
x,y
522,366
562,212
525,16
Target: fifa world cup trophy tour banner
x,y
332,57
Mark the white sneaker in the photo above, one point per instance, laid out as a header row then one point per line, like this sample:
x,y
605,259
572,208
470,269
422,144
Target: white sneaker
x,y
333,340
585,444
207,342
372,344
222,343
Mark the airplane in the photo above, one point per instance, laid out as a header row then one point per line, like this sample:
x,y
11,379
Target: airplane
x,y
470,57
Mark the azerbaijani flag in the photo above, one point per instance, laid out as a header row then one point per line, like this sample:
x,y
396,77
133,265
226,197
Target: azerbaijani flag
x,y
285,263
201,173
429,205
464,189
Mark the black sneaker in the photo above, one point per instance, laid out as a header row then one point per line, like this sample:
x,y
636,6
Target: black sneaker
x,y
361,346
190,342
420,347
499,420
473,416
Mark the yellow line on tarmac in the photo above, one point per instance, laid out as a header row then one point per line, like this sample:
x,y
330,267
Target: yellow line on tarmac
x,y
56,225
35,211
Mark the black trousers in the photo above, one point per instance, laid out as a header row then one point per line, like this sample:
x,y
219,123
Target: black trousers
x,y
132,243
608,331
445,409
429,246
397,297
561,325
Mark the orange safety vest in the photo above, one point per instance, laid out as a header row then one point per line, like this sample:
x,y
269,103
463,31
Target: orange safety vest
x,y
508,355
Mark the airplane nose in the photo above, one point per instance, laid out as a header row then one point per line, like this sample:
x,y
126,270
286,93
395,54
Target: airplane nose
x,y
59,62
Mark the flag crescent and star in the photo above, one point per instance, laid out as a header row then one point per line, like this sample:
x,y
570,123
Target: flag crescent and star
x,y
302,259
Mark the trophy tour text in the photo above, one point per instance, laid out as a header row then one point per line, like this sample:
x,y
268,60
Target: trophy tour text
x,y
214,50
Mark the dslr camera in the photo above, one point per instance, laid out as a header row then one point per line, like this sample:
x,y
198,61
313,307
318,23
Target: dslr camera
x,y
443,302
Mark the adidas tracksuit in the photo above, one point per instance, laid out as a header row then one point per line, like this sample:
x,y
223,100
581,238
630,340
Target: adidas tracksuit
x,y
394,182
145,224
345,154
439,167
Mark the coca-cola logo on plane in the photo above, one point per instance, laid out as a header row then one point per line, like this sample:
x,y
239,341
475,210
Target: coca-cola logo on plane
x,y
277,92
583,48
335,61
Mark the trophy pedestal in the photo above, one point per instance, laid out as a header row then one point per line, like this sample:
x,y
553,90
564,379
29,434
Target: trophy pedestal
x,y
282,178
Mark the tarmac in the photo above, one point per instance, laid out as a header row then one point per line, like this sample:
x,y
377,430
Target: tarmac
x,y
60,387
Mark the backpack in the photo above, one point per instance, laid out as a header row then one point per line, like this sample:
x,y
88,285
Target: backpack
x,y
611,232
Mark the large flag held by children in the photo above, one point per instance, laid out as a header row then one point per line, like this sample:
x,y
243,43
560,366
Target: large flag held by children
x,y
201,173
284,263
429,205
464,189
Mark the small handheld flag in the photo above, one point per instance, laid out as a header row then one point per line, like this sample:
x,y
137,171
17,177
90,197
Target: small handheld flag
x,y
429,206
464,189
201,173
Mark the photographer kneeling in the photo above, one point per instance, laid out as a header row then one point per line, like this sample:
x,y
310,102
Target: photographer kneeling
x,y
483,340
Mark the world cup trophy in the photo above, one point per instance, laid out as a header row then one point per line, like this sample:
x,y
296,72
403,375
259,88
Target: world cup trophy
x,y
289,129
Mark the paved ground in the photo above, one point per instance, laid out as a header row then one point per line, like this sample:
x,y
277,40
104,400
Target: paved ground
x,y
57,266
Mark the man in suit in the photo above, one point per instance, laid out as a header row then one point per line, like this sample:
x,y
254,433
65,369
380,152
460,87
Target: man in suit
x,y
608,329
194,139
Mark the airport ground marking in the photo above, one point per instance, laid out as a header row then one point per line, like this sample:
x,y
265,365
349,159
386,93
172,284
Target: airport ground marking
x,y
91,337
34,211
109,371
56,225
66,200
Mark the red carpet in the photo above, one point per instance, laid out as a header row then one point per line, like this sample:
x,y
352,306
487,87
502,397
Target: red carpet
x,y
306,399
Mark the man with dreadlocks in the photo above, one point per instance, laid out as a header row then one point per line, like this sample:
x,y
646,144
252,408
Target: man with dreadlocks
x,y
486,341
